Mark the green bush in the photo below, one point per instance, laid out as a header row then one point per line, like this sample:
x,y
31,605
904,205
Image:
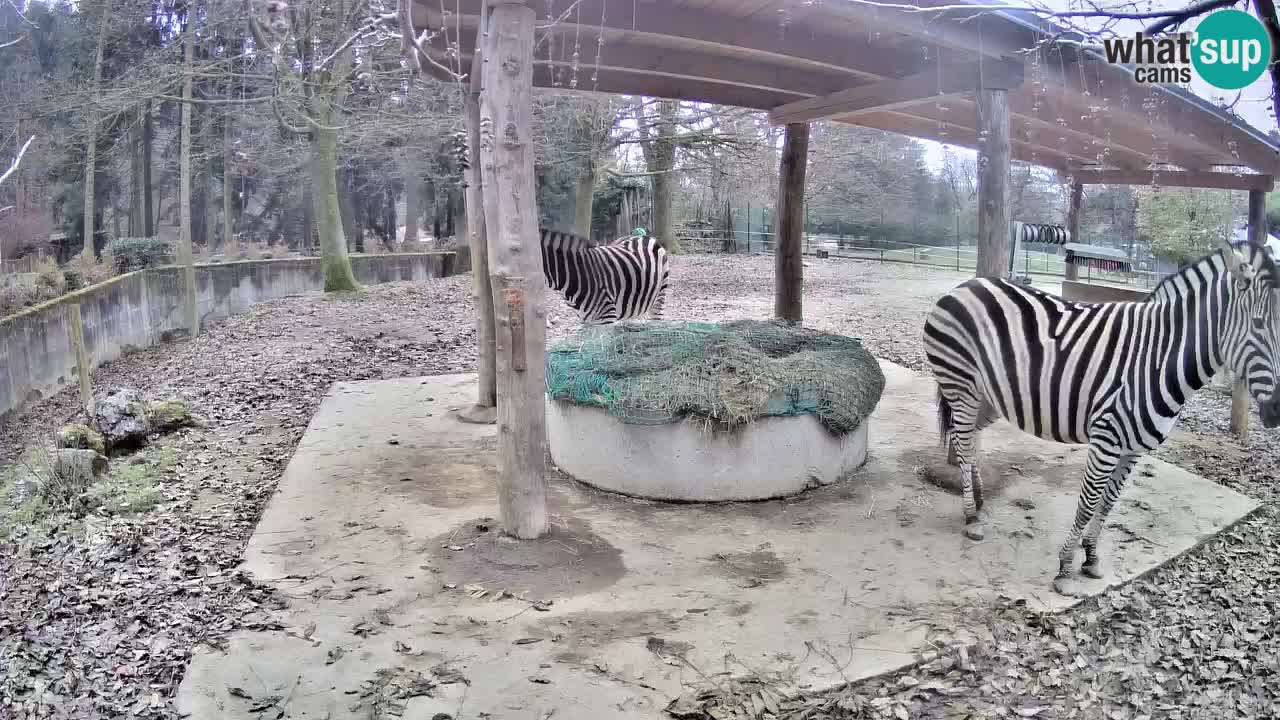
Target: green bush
x,y
138,253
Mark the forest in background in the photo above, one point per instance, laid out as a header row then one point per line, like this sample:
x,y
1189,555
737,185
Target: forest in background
x,y
309,129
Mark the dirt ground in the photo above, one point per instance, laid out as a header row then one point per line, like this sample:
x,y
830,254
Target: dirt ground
x,y
101,624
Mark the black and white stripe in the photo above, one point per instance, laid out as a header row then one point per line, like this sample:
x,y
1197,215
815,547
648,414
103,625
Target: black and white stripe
x,y
1112,375
622,280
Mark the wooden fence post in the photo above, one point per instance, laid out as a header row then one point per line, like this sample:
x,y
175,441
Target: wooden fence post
x,y
1072,271
75,334
515,264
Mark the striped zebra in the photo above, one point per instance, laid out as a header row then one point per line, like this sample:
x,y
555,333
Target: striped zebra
x,y
1114,376
623,280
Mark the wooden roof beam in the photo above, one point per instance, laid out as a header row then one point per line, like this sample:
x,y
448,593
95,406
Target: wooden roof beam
x,y
951,134
1175,178
893,93
982,35
687,65
660,22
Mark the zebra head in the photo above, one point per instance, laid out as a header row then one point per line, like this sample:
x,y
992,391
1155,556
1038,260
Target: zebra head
x,y
1253,350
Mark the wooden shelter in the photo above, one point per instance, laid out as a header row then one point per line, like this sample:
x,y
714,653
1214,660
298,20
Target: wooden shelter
x,y
1007,83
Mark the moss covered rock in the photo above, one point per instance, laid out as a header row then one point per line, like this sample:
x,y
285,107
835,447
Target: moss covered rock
x,y
170,415
78,436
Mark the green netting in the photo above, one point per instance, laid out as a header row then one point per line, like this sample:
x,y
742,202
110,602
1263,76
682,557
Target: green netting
x,y
726,374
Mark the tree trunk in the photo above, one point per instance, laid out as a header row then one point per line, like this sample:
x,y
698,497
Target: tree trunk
x,y
91,153
481,287
136,213
412,206
993,183
210,216
660,157
305,243
148,136
583,199
338,275
788,296
185,257
515,263
228,217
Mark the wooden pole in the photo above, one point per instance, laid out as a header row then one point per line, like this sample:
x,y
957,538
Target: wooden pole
x,y
1073,225
515,265
788,279
1240,390
485,409
993,182
75,334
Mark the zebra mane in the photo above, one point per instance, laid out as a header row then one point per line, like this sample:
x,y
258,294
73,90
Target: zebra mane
x,y
1166,287
562,241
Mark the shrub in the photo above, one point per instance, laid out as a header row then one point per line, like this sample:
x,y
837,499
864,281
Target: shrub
x,y
137,253
48,276
81,273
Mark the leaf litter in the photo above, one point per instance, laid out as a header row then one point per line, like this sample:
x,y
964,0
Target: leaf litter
x,y
1195,639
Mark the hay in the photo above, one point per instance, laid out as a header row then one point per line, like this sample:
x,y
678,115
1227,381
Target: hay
x,y
725,374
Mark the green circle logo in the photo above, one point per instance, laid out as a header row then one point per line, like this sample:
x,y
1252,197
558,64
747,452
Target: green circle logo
x,y
1232,49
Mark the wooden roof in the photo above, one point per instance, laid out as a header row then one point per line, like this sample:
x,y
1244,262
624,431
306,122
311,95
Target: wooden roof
x,y
905,71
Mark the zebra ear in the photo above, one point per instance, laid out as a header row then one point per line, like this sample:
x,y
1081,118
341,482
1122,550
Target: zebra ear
x,y
1237,264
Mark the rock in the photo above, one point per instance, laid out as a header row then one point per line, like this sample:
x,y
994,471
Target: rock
x,y
170,415
121,417
78,436
77,469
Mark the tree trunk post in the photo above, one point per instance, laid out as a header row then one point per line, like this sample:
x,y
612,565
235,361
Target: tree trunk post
x,y
486,407
1072,272
228,216
1240,390
993,182
788,256
185,256
583,198
515,264
75,335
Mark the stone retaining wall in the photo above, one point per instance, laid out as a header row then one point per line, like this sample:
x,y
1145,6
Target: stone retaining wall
x,y
139,308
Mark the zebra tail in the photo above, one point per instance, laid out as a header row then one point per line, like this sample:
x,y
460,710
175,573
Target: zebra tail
x,y
944,419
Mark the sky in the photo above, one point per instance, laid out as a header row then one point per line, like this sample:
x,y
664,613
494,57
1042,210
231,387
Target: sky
x,y
1254,105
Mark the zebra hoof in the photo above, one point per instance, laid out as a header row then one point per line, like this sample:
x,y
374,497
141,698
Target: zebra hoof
x,y
1091,571
1068,586
973,530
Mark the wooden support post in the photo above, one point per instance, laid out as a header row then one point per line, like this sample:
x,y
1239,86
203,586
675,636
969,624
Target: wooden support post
x,y
515,264
993,182
1073,225
1240,391
485,409
75,335
788,256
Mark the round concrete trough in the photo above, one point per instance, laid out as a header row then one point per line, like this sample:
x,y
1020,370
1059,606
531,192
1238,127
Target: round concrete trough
x,y
769,458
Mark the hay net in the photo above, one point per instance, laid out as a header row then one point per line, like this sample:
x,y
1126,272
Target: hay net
x,y
725,374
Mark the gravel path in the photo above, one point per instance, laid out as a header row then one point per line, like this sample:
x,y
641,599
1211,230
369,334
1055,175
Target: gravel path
x,y
101,625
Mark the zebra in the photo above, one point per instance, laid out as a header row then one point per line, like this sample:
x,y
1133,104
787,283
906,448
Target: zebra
x,y
605,284
1114,376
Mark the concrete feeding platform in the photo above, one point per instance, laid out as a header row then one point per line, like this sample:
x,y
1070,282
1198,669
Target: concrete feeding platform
x,y
771,457
381,535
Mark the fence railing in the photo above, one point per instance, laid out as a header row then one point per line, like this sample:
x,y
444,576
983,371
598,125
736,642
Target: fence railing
x,y
20,265
956,257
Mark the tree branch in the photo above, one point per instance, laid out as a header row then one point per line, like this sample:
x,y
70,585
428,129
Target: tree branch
x,y
1187,13
17,160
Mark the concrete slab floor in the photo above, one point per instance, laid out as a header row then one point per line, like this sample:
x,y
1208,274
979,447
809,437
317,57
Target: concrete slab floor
x,y
382,535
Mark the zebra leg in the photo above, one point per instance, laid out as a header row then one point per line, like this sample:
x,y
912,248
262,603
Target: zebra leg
x,y
1097,474
986,416
1115,485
